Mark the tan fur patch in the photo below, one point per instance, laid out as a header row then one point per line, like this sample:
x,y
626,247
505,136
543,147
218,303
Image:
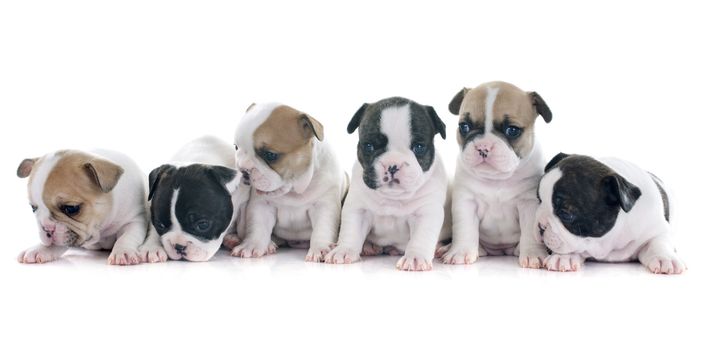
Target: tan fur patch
x,y
288,132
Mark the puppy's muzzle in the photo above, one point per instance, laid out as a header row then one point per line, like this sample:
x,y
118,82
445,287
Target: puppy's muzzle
x,y
181,249
246,177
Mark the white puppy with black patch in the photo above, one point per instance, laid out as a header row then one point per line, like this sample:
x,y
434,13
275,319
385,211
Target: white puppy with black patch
x,y
297,181
498,169
396,203
606,210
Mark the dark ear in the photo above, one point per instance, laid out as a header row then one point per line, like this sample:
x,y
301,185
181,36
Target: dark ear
x,y
619,191
25,167
154,178
456,102
356,119
439,125
541,107
552,164
310,127
223,174
104,173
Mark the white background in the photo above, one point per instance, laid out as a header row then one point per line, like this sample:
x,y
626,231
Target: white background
x,y
143,77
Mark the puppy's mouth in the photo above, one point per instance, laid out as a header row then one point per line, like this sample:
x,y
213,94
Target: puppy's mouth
x,y
275,193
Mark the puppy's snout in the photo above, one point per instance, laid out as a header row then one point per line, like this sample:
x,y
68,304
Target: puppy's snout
x,y
483,149
180,249
541,229
392,169
246,176
390,173
49,230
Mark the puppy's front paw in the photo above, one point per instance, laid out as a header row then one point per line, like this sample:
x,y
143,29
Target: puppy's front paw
x,y
37,255
342,255
458,255
318,251
533,258
152,253
231,240
252,249
667,265
124,256
563,262
414,262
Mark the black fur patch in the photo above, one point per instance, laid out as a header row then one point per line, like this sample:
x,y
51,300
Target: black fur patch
x,y
202,198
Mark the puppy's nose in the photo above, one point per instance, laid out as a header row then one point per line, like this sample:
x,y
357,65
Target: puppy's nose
x,y
181,249
392,169
484,149
48,230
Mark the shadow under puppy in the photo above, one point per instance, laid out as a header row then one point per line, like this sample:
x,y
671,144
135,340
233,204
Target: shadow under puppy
x,y
298,185
397,200
196,200
93,200
606,210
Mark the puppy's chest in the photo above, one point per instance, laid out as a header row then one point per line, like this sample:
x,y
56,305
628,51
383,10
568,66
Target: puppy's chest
x,y
293,222
388,230
498,219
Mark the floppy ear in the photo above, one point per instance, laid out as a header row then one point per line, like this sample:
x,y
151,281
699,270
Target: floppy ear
x,y
103,173
552,164
619,191
310,127
541,107
356,119
439,125
154,178
456,102
225,176
25,167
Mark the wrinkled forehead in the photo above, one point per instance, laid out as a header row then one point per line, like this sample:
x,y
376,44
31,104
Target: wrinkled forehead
x,y
280,131
500,101
252,120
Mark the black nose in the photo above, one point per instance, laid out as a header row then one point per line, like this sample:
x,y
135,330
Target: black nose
x,y
180,249
393,169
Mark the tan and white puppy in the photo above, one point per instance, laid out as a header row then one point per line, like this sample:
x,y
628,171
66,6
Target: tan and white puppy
x,y
298,185
498,170
93,200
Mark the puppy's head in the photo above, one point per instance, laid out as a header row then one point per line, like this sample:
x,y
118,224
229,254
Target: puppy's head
x,y
191,208
581,199
70,194
396,147
496,127
274,148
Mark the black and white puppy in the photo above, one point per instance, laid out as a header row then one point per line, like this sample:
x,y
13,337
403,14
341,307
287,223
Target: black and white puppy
x,y
397,199
196,199
607,210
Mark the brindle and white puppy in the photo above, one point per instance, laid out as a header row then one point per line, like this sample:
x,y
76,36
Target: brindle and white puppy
x,y
498,170
90,200
297,181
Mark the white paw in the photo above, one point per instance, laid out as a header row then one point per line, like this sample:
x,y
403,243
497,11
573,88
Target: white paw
x,y
414,262
124,256
563,262
666,265
318,252
231,240
252,249
458,255
152,253
342,255
370,249
533,258
37,255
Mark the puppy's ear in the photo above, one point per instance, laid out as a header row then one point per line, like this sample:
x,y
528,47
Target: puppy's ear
x,y
251,106
541,107
552,164
25,167
439,125
456,102
356,119
619,191
310,127
224,175
155,176
103,173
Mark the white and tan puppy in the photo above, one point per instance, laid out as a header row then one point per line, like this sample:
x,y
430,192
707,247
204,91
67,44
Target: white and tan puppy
x,y
606,210
498,169
297,181
196,200
93,200
396,203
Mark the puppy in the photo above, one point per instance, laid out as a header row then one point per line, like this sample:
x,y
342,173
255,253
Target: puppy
x,y
93,200
396,203
606,210
195,200
498,169
297,181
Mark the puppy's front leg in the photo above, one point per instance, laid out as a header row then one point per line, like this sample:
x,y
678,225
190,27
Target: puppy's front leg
x,y
425,228
125,250
40,254
659,256
464,248
324,217
356,224
260,221
532,252
152,251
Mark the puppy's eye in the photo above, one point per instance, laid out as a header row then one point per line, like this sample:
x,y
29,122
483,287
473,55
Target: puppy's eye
x,y
465,128
236,147
202,225
419,149
270,157
565,216
70,210
34,207
512,132
369,148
